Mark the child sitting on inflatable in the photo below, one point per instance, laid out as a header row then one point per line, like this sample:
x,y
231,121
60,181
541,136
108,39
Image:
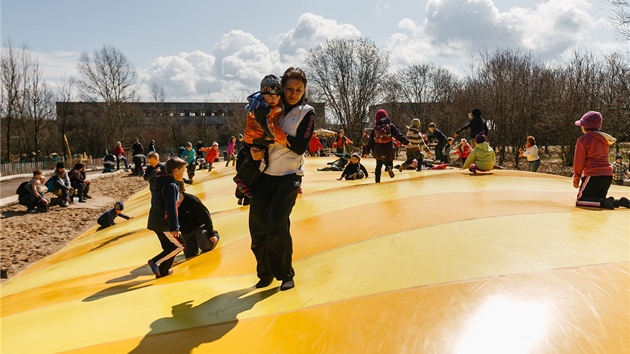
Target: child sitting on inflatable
x,y
481,158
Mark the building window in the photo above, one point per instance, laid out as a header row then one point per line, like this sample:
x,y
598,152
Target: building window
x,y
203,114
192,114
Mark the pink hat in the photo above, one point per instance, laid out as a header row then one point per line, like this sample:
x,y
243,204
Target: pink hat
x,y
590,120
381,113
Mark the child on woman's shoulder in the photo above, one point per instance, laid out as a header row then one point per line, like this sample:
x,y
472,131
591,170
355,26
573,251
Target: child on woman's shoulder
x,y
261,130
481,157
591,166
354,170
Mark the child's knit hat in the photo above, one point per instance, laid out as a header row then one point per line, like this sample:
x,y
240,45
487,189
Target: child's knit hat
x,y
381,113
356,154
215,144
415,123
476,112
270,85
119,206
480,138
590,120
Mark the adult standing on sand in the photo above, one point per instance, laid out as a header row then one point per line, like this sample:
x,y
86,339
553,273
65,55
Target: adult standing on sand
x,y
275,191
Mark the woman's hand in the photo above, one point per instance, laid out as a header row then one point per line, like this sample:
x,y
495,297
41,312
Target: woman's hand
x,y
257,153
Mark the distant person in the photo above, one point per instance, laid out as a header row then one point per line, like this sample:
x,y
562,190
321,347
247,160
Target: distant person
x,y
62,187
119,152
591,166
151,146
136,147
448,149
196,226
476,124
199,152
31,194
441,142
163,216
231,146
365,138
482,157
155,169
462,150
414,150
212,153
190,156
381,144
315,145
354,170
340,142
109,161
620,170
531,153
107,218
79,182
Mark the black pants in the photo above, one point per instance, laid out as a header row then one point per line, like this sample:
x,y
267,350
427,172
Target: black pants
x,y
439,154
170,248
269,225
413,154
81,189
379,166
593,191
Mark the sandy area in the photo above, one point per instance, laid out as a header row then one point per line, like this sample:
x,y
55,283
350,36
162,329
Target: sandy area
x,y
26,238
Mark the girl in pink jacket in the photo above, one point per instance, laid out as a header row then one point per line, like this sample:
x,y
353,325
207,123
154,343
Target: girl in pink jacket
x,y
591,166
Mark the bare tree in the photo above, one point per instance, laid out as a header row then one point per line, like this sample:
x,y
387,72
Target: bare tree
x,y
65,120
39,103
107,76
348,73
621,17
12,89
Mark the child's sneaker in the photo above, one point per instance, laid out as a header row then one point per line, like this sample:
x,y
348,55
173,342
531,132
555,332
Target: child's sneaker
x,y
473,169
608,203
154,268
401,168
390,171
622,202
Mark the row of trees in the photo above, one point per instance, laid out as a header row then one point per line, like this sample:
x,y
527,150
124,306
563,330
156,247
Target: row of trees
x,y
519,94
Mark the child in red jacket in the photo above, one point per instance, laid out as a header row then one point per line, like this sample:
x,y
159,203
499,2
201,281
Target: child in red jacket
x,y
590,164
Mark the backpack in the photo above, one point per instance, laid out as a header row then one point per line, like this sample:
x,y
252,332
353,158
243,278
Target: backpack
x,y
51,185
21,189
382,133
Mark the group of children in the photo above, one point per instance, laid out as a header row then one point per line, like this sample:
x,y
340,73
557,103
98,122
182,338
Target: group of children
x,y
262,130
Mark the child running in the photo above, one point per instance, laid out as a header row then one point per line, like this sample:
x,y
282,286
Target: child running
x,y
591,166
163,216
261,130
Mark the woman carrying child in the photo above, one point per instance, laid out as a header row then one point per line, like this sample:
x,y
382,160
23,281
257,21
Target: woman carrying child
x,y
276,189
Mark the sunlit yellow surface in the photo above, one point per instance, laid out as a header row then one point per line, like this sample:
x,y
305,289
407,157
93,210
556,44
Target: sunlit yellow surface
x,y
432,261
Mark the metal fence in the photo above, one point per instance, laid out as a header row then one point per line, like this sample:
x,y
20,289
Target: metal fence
x,y
18,168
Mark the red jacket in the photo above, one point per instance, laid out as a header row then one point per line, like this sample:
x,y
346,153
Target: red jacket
x,y
591,155
119,151
314,145
211,154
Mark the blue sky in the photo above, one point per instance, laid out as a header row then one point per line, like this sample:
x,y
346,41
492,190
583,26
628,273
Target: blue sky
x,y
218,51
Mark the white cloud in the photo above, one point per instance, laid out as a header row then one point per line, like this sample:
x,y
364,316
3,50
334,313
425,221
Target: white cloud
x,y
310,30
455,29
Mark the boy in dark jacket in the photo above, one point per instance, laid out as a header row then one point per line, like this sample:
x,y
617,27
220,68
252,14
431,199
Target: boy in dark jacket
x,y
476,124
196,226
154,169
107,218
163,219
382,145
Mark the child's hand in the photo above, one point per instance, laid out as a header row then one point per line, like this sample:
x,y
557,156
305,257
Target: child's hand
x,y
576,184
339,179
